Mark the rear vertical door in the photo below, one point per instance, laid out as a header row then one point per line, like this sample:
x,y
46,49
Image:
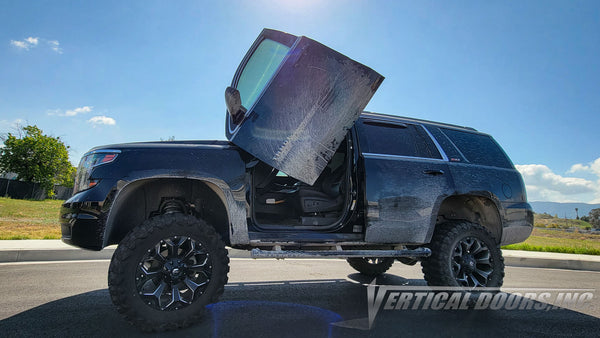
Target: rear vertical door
x,y
406,179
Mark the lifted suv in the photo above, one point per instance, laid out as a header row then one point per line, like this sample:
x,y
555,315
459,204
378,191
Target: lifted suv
x,y
306,173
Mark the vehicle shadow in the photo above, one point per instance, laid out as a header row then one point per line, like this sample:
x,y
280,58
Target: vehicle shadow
x,y
301,308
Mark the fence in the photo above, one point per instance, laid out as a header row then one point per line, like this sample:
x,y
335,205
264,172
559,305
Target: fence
x,y
28,190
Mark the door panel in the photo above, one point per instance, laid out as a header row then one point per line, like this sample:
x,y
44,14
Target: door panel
x,y
402,196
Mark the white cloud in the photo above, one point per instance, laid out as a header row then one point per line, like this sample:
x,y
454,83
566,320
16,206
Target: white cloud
x,y
30,42
26,43
55,46
592,167
19,44
70,112
77,111
544,185
102,120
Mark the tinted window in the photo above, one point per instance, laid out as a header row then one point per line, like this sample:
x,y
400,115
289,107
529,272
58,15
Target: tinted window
x,y
396,139
259,69
478,149
453,154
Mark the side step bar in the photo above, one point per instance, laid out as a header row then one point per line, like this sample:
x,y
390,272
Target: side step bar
x,y
419,252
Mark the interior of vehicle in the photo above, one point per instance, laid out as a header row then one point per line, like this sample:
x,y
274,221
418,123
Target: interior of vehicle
x,y
282,201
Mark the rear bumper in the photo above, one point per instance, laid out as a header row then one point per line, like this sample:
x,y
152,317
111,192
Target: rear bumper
x,y
518,223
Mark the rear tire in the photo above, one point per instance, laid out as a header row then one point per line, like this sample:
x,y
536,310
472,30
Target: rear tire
x,y
165,271
371,266
463,254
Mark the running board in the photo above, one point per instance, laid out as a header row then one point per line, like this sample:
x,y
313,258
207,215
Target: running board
x,y
415,253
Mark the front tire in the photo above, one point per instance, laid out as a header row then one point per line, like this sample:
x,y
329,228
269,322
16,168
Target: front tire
x,y
463,254
165,271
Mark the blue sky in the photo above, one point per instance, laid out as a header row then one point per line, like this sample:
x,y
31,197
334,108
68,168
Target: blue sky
x,y
527,72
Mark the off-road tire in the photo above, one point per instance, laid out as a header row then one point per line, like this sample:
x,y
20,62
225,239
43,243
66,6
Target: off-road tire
x,y
462,253
371,266
149,239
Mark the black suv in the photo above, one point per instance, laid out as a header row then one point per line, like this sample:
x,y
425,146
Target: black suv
x,y
306,173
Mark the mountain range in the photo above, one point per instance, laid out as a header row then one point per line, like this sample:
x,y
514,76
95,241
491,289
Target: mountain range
x,y
563,210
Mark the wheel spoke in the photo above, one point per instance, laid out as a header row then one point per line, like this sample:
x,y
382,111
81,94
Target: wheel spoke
x,y
157,293
157,253
173,246
149,274
466,245
474,280
477,247
458,251
483,273
483,257
193,285
193,250
176,296
206,275
456,267
462,278
199,265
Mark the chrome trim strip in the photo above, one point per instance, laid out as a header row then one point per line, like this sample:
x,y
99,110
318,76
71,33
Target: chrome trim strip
x,y
100,151
389,156
439,148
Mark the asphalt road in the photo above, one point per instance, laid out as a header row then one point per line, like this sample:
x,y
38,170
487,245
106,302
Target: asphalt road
x,y
271,298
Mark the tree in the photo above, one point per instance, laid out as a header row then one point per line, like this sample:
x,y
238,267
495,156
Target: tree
x,y
594,217
37,158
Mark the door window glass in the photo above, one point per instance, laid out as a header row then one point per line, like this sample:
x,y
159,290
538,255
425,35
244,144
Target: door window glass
x,y
478,148
259,69
396,139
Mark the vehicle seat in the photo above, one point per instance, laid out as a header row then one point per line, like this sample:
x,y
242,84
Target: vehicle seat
x,y
326,194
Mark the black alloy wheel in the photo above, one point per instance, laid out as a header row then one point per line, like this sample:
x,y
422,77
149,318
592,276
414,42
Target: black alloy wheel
x,y
165,271
465,255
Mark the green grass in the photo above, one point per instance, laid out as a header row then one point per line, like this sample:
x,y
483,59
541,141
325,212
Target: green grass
x,y
559,241
544,247
29,219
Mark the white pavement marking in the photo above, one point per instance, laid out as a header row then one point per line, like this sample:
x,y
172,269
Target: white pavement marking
x,y
56,262
550,269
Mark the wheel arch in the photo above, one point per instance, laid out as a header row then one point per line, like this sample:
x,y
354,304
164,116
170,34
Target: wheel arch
x,y
472,208
141,199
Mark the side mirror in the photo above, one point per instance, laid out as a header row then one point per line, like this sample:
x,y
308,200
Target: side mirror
x,y
234,105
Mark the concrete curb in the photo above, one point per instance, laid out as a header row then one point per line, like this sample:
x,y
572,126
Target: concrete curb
x,y
55,250
551,260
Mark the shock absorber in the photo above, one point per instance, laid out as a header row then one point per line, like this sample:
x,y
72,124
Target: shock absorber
x,y
171,206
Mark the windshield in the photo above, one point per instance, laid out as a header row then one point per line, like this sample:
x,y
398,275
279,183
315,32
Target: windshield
x,y
259,69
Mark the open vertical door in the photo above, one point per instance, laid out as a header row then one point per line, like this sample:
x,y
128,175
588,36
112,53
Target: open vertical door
x,y
292,101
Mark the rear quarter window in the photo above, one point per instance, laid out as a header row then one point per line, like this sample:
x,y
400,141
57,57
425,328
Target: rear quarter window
x,y
478,148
